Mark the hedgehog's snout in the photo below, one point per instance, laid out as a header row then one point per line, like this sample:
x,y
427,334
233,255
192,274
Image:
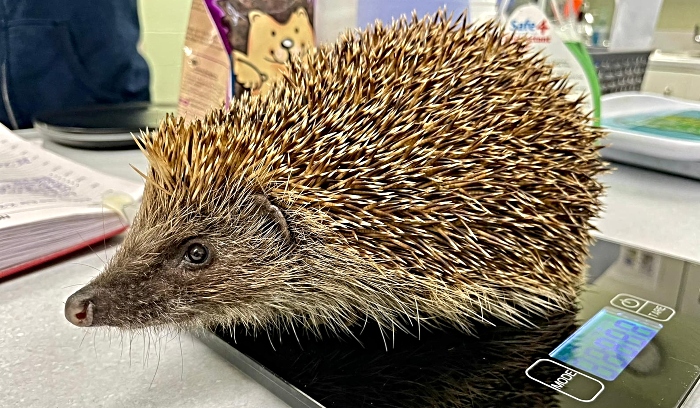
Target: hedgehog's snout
x,y
80,309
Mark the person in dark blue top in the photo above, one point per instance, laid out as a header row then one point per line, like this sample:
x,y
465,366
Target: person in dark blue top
x,y
57,54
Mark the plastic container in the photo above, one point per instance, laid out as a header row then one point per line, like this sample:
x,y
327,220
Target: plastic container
x,y
635,122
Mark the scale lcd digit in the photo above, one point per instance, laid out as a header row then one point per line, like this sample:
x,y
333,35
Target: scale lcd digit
x,y
606,343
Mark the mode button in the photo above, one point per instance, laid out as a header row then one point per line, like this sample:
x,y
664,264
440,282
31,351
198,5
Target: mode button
x,y
567,381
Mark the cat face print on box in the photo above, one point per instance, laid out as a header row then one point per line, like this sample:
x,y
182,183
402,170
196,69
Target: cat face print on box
x,y
264,34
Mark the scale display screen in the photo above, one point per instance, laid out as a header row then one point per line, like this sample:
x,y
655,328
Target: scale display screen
x,y
606,343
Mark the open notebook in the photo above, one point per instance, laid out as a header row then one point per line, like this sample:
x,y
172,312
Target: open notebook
x,y
51,206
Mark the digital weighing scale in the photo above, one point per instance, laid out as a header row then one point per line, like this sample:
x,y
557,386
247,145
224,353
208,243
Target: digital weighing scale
x,y
635,342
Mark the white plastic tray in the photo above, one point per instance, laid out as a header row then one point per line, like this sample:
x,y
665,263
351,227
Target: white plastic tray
x,y
648,144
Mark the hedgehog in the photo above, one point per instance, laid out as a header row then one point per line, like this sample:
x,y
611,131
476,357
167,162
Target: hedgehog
x,y
427,172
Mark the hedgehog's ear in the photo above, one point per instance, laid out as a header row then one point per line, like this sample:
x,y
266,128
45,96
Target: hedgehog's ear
x,y
275,214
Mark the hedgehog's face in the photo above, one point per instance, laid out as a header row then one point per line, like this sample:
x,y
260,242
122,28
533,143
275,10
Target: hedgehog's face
x,y
192,271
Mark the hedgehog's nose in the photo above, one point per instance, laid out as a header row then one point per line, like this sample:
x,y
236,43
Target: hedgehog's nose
x,y
79,309
287,43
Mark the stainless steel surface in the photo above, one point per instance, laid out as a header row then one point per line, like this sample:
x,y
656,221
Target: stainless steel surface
x,y
114,162
653,211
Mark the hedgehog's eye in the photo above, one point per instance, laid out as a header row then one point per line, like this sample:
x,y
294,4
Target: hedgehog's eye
x,y
274,33
197,254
